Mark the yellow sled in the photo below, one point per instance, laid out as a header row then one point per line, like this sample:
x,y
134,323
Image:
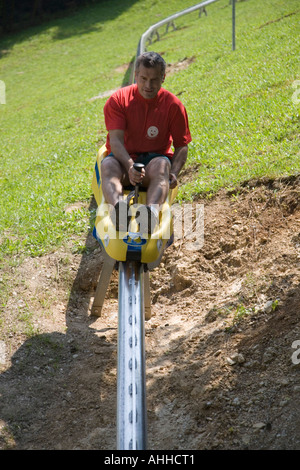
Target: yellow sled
x,y
131,245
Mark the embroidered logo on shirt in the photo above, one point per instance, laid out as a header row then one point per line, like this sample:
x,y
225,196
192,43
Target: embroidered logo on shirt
x,y
152,132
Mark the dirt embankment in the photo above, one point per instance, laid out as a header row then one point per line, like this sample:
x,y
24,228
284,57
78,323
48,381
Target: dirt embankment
x,y
222,361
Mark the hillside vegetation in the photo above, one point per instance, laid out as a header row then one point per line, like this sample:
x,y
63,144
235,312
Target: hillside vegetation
x,y
242,116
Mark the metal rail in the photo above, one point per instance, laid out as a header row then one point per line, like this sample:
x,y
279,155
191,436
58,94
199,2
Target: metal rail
x,y
131,373
147,34
131,376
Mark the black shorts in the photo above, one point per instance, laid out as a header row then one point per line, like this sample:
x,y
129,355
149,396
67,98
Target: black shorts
x,y
145,157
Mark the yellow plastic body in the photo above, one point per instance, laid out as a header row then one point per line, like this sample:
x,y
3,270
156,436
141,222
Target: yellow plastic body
x,y
131,245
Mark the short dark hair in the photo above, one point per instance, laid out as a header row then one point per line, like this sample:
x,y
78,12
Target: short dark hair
x,y
151,59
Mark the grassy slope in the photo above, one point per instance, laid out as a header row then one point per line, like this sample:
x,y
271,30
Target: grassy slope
x,y
242,117
243,120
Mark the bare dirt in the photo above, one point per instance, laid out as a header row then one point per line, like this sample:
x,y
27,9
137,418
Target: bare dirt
x,y
222,362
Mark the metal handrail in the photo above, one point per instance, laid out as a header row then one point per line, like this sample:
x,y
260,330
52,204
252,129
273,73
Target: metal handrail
x,y
146,35
169,19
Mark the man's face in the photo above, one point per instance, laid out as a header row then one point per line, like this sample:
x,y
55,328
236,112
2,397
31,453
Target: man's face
x,y
149,81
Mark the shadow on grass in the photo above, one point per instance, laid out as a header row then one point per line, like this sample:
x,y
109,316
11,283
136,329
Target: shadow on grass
x,y
83,21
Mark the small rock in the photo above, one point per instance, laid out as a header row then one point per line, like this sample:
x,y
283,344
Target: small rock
x,y
180,280
269,355
268,307
284,382
217,353
260,425
284,402
246,439
236,358
230,361
239,358
196,391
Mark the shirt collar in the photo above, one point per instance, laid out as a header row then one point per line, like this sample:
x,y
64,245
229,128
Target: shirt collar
x,y
151,101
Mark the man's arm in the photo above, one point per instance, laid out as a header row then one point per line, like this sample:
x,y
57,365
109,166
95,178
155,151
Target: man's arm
x,y
116,138
178,160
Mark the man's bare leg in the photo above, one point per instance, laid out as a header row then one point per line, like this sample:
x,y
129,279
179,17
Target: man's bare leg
x,y
112,180
157,180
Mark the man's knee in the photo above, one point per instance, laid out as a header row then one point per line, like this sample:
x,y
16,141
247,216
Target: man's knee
x,y
159,168
110,165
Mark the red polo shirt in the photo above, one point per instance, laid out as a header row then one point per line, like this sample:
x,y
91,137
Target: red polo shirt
x,y
150,125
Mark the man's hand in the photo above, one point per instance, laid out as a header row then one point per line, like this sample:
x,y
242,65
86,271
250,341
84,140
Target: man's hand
x,y
135,176
173,181
178,161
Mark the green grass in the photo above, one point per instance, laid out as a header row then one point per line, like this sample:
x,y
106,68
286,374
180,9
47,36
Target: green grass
x,y
242,117
243,120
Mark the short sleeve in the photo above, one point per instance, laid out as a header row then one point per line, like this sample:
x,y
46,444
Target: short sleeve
x,y
179,126
114,115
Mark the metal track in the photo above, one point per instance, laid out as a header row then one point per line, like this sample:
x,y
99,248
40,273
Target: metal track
x,y
131,380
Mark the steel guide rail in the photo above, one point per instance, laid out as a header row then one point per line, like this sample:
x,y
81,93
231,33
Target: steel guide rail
x,y
131,373
131,376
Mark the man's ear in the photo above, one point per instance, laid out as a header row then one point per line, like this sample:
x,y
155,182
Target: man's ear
x,y
163,78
